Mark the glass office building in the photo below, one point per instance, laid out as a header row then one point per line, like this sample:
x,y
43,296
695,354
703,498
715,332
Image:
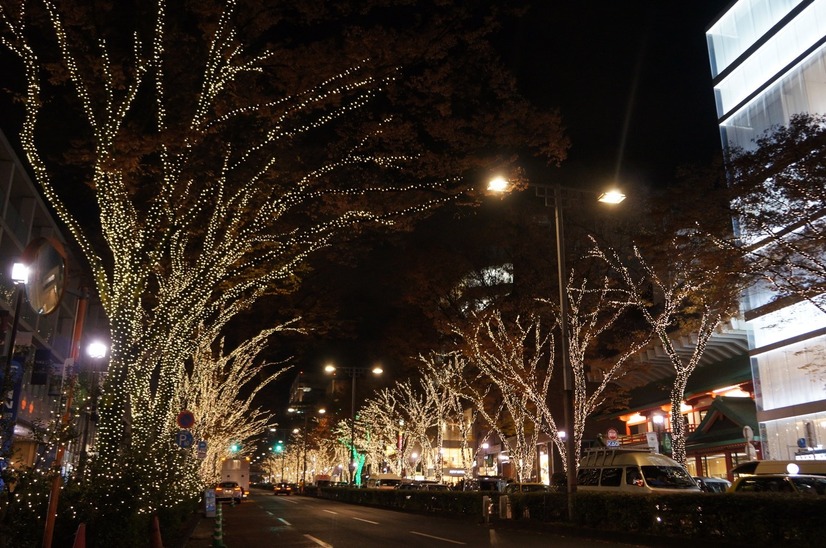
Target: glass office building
x,y
768,61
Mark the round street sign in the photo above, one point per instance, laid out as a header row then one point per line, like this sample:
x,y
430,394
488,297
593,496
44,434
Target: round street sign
x,y
186,419
184,439
613,434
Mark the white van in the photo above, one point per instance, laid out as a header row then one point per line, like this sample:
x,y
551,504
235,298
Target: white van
x,y
383,481
634,470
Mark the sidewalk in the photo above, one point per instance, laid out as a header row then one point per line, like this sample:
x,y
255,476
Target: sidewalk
x,y
201,535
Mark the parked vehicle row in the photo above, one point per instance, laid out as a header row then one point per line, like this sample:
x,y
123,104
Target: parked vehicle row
x,y
630,470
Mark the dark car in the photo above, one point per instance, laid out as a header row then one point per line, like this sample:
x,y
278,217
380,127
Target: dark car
x,y
513,488
712,485
494,484
423,485
282,488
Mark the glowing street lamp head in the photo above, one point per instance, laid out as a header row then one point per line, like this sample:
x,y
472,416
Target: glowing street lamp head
x,y
378,370
498,184
96,350
611,197
19,273
330,368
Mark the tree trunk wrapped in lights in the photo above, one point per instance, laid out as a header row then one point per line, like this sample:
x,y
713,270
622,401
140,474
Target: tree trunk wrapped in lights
x,y
442,380
501,354
211,392
689,296
197,224
401,407
513,361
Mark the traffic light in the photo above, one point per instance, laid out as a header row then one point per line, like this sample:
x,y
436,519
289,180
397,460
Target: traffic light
x,y
279,447
235,447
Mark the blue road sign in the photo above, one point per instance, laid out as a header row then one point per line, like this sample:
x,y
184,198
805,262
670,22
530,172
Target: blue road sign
x,y
184,439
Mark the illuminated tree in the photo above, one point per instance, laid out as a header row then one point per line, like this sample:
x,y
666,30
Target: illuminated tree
x,y
442,381
510,359
683,295
212,392
400,408
216,165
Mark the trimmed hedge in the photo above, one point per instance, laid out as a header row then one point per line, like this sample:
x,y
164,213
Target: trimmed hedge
x,y
756,519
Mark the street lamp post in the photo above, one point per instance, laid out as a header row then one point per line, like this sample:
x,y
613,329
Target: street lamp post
x,y
352,372
552,195
57,480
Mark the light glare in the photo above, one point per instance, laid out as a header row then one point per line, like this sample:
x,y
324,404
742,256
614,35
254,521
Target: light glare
x,y
611,197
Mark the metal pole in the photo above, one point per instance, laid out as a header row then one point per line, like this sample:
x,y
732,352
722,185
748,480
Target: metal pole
x,y
569,413
54,496
353,426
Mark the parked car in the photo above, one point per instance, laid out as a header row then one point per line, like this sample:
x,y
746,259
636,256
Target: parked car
x,y
422,485
632,470
282,488
229,490
383,481
487,483
712,485
810,467
435,486
780,483
513,488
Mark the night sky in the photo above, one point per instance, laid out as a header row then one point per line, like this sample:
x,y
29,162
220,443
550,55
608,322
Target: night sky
x,y
633,84
631,79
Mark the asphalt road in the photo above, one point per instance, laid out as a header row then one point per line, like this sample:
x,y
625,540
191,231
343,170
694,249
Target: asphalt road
x,y
295,521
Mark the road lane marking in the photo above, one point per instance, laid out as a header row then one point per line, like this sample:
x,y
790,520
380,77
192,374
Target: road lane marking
x,y
367,521
331,512
285,522
319,542
437,538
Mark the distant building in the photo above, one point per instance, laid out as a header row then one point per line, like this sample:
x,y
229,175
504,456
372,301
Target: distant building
x,y
768,61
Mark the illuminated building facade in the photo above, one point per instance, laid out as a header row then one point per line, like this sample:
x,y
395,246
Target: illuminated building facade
x,y
768,61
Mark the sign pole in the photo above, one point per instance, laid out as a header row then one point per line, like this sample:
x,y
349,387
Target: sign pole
x,y
54,496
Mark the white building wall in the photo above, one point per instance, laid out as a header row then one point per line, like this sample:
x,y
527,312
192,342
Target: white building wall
x,y
768,58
